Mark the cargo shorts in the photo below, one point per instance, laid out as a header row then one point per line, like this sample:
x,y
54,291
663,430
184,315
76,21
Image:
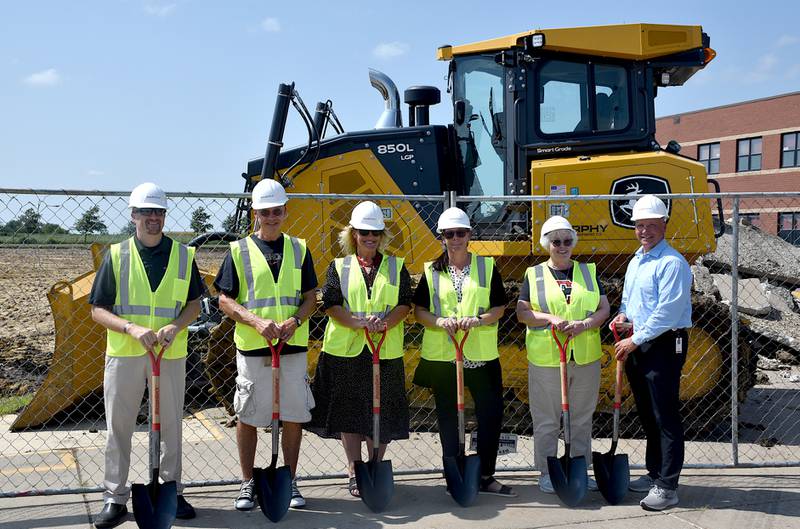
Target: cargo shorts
x,y
252,401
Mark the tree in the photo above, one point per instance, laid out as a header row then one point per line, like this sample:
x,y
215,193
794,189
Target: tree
x,y
90,222
229,224
30,221
53,229
129,229
199,223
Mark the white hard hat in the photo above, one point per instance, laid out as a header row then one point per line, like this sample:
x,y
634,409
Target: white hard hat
x,y
367,216
269,193
147,195
649,207
555,223
453,218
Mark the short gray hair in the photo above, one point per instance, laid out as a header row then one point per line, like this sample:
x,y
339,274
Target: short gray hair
x,y
544,240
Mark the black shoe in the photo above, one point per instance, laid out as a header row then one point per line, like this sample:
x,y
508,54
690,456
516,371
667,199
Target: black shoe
x,y
111,516
185,511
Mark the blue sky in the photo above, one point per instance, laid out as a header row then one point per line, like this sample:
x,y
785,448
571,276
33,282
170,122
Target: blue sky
x,y
107,94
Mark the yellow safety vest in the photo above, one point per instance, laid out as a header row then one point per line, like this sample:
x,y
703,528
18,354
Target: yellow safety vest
x,y
546,296
342,341
481,345
261,295
135,301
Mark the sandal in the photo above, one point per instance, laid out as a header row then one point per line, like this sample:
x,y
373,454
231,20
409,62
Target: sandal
x,y
352,487
504,490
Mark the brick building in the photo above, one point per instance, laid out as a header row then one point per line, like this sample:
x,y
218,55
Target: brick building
x,y
748,146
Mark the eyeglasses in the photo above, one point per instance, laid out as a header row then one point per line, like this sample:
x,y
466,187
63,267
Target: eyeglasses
x,y
557,242
146,212
270,212
374,233
455,233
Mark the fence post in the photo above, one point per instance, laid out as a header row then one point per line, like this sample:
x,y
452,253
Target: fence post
x,y
735,332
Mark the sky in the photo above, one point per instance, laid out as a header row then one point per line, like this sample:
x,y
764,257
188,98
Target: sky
x,y
107,94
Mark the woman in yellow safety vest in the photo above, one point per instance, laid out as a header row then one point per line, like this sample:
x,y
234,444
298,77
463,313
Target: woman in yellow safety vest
x,y
366,289
564,294
462,291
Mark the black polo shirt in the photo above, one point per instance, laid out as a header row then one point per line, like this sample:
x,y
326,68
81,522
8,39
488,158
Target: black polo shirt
x,y
227,281
155,260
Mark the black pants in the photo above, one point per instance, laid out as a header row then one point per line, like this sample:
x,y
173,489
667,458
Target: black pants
x,y
654,373
486,387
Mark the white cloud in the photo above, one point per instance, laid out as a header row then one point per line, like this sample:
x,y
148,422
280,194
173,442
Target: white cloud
x,y
49,77
271,25
787,40
95,172
763,70
159,10
390,50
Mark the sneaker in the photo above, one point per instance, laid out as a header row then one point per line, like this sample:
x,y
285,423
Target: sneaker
x,y
659,499
641,484
592,485
246,498
545,485
298,501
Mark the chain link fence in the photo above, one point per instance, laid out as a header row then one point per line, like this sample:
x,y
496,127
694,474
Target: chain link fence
x,y
739,386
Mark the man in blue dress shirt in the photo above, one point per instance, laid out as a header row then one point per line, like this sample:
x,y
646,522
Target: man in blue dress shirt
x,y
656,299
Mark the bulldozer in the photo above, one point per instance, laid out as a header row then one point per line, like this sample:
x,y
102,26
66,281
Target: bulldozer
x,y
551,114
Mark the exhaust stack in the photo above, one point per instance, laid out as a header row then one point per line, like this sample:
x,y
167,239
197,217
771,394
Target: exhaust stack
x,y
392,116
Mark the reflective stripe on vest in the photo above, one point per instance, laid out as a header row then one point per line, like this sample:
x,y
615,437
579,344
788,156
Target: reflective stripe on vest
x,y
344,342
481,345
584,301
254,303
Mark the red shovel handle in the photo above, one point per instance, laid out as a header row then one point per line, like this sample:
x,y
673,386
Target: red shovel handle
x,y
562,353
275,351
459,345
155,391
376,369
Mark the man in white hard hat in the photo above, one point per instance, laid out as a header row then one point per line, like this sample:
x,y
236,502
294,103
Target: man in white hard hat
x,y
656,299
134,296
267,286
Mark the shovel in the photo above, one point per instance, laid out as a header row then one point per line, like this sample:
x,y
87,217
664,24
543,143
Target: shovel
x,y
568,474
462,472
611,470
374,478
155,504
274,485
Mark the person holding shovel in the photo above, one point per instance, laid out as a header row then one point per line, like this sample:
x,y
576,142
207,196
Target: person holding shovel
x,y
656,299
267,286
146,292
461,292
366,289
565,295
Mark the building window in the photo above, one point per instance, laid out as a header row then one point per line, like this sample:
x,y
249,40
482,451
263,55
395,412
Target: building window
x,y
790,150
750,219
748,156
789,227
708,155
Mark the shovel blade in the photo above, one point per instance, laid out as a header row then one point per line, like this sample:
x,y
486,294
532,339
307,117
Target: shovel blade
x,y
273,491
613,475
463,475
569,478
375,483
154,504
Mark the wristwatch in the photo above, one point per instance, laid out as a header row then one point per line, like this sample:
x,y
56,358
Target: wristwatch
x,y
297,320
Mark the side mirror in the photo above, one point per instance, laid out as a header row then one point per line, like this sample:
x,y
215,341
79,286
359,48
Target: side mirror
x,y
459,112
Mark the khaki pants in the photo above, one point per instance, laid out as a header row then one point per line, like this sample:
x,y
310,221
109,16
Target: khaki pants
x,y
544,390
124,382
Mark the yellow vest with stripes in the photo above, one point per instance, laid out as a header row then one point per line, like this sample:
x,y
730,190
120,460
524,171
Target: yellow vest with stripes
x,y
135,301
481,345
262,295
342,341
546,296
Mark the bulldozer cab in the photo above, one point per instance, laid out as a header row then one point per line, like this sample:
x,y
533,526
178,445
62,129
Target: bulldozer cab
x,y
556,94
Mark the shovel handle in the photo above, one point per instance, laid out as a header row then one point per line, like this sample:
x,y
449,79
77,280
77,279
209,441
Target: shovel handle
x,y
562,353
376,389
155,411
275,351
459,345
620,364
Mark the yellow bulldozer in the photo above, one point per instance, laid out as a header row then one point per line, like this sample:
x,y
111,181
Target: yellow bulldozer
x,y
553,113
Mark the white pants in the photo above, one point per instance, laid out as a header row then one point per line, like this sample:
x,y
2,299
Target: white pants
x,y
124,382
544,390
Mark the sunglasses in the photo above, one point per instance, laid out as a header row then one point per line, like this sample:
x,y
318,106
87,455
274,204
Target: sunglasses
x,y
146,212
455,233
374,233
557,242
270,212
